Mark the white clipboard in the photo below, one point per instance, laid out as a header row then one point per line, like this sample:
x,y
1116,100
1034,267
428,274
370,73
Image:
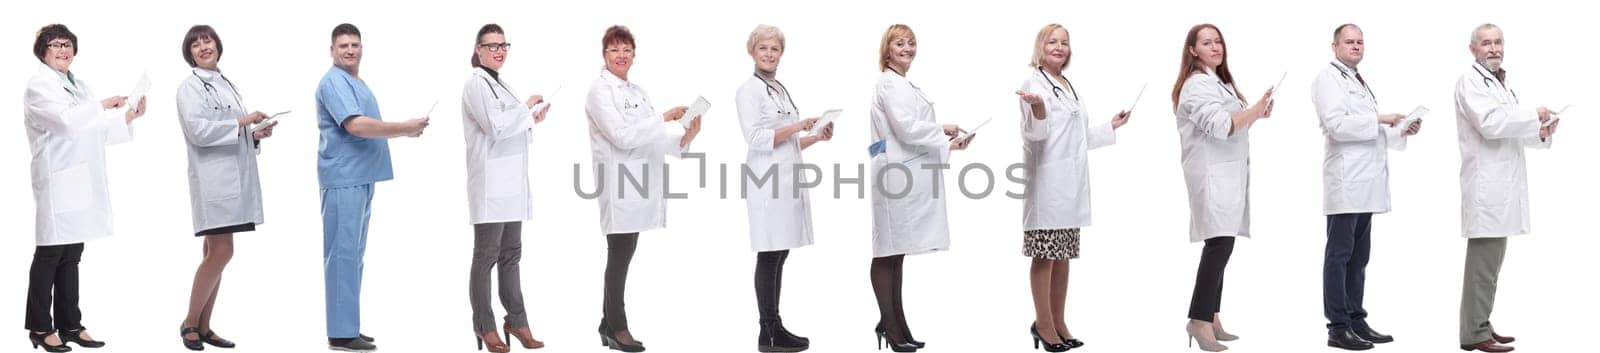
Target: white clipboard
x,y
968,135
1136,98
270,121
700,106
1413,118
140,88
1554,116
827,118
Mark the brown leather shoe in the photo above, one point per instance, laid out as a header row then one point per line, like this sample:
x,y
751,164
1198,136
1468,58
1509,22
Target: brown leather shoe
x,y
1502,339
492,341
1488,345
524,336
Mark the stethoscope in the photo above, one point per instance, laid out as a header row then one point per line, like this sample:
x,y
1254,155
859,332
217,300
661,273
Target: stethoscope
x,y
491,86
1363,84
213,89
771,93
1491,82
1056,90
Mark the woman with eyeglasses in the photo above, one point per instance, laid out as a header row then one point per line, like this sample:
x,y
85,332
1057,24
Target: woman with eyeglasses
x,y
1214,129
223,139
1057,138
68,130
779,212
497,125
907,217
627,136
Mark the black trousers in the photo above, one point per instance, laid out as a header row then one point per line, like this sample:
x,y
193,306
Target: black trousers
x,y
769,283
1207,299
1344,269
54,271
619,254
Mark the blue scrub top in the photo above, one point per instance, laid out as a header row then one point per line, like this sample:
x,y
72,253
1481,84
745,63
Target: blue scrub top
x,y
343,159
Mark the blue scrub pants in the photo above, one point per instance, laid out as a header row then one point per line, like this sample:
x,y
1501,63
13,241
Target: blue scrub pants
x,y
345,214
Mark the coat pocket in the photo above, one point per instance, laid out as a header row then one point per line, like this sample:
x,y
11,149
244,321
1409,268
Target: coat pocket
x,y
219,179
503,176
72,189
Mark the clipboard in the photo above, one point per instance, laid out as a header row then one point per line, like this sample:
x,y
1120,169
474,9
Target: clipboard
x,y
270,121
1413,118
1554,116
700,106
827,119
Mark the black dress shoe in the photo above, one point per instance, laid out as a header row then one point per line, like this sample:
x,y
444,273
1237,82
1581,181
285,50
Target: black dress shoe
x,y
1346,340
1367,333
912,340
210,337
76,336
354,344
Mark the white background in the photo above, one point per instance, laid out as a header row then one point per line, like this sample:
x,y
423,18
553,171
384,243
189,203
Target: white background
x,y
690,289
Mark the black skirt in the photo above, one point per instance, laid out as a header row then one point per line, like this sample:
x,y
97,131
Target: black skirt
x,y
241,228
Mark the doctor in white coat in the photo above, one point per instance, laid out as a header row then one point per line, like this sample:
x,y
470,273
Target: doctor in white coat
x,y
908,198
1355,181
1057,138
497,127
1214,130
1493,128
68,130
779,211
629,141
224,182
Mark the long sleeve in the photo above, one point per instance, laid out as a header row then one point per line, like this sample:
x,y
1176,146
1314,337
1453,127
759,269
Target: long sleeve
x,y
606,111
759,128
198,129
1395,137
1492,119
1339,122
1101,135
1033,129
495,117
1207,108
58,113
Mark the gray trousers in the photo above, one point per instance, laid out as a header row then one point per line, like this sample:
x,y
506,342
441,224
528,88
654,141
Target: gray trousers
x,y
497,244
1484,256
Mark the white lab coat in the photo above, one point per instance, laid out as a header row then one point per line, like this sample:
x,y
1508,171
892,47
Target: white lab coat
x,y
67,135
629,141
497,125
1216,166
916,222
224,182
779,218
1493,129
1056,152
1355,165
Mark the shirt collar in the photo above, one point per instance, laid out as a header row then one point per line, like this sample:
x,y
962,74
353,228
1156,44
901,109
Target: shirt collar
x,y
613,79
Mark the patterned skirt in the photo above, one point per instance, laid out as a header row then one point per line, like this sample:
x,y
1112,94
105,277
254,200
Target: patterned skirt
x,y
1050,244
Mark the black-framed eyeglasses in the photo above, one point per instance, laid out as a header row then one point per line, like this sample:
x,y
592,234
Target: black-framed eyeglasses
x,y
60,45
495,46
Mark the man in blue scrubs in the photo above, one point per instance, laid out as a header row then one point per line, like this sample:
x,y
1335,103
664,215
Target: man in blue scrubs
x,y
352,156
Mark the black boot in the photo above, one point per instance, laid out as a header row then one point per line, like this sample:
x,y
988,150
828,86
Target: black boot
x,y
775,339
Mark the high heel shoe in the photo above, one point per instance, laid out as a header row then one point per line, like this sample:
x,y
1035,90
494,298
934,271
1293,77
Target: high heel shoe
x,y
1222,336
894,346
193,345
1195,332
1048,347
38,341
609,339
909,339
1070,342
76,336
491,339
524,336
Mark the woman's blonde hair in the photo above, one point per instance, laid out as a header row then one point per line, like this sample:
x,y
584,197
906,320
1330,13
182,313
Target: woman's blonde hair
x,y
1039,42
895,31
765,32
